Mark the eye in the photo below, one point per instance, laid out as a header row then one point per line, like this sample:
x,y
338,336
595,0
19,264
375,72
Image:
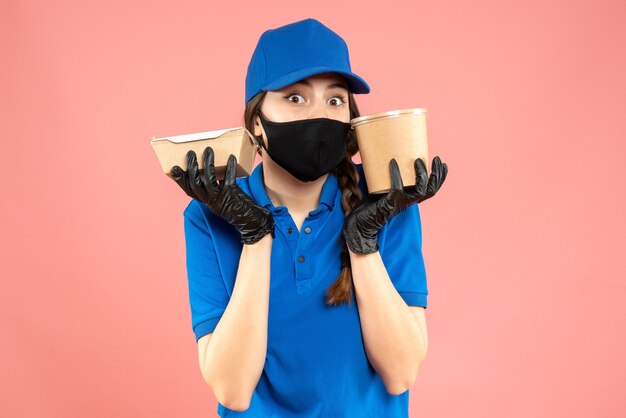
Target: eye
x,y
288,97
340,97
296,94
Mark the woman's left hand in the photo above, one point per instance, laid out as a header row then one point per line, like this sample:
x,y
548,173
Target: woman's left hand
x,y
362,224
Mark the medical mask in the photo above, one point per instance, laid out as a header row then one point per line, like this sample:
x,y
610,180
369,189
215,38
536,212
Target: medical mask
x,y
306,148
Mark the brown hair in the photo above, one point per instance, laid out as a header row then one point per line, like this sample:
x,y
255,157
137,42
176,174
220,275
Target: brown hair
x,y
341,291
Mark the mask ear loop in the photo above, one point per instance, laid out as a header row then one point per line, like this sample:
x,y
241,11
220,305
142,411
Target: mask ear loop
x,y
260,137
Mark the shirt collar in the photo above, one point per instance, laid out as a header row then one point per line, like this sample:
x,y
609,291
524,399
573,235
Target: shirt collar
x,y
327,196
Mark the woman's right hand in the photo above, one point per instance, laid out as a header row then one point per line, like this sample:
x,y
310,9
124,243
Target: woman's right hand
x,y
225,198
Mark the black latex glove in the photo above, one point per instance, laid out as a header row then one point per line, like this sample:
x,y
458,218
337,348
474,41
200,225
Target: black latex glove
x,y
225,199
362,224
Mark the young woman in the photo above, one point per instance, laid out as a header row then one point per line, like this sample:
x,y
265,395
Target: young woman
x,y
307,294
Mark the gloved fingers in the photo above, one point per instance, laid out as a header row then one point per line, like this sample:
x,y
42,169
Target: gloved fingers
x,y
181,178
435,178
195,181
438,170
421,180
388,203
444,175
231,169
421,176
388,200
396,178
210,181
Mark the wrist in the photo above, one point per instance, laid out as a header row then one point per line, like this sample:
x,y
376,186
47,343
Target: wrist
x,y
253,237
360,244
260,241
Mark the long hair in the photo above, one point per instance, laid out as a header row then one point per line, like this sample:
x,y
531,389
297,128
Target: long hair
x,y
342,290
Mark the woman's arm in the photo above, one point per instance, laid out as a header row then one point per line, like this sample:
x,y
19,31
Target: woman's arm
x,y
233,361
394,334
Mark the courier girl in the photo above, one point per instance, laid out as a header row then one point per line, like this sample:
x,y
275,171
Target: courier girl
x,y
307,294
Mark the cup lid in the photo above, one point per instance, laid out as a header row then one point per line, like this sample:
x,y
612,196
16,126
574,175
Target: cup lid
x,y
388,114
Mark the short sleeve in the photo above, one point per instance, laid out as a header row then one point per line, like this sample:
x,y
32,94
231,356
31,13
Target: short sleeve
x,y
400,246
208,296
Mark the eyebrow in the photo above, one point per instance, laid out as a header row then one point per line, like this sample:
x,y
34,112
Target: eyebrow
x,y
330,86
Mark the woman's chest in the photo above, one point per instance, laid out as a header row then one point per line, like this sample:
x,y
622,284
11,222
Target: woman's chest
x,y
304,260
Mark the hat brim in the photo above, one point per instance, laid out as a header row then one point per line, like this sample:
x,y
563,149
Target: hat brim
x,y
357,84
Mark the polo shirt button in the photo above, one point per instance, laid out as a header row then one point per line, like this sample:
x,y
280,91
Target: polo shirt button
x,y
290,230
301,258
307,230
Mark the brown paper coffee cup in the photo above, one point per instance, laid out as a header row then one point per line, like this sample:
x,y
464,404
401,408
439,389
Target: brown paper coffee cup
x,y
399,134
172,150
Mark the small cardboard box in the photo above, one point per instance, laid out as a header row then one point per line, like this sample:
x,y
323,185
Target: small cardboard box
x,y
399,134
172,150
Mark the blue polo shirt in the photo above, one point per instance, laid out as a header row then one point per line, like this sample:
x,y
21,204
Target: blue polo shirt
x,y
316,364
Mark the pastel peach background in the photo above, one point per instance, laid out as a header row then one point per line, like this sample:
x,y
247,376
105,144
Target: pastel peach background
x,y
524,245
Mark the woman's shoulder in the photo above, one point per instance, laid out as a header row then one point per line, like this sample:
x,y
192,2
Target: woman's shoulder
x,y
196,210
201,217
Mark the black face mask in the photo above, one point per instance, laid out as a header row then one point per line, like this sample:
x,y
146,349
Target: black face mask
x,y
307,148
